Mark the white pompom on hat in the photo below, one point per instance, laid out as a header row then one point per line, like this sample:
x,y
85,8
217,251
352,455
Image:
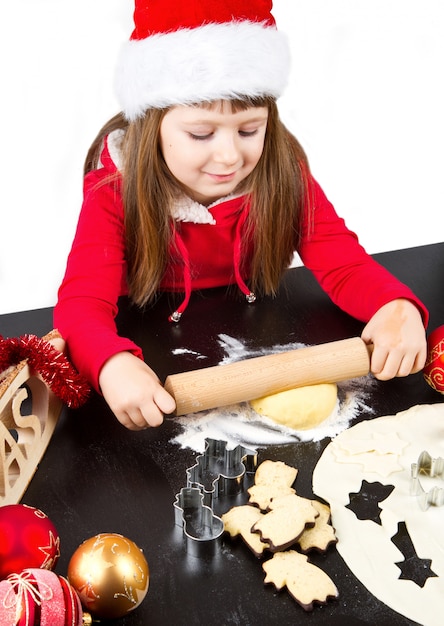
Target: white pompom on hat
x,y
191,51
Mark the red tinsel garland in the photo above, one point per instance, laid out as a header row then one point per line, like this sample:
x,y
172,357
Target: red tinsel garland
x,y
52,365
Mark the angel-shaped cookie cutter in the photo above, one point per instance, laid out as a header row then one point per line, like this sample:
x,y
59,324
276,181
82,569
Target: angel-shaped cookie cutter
x,y
217,472
434,468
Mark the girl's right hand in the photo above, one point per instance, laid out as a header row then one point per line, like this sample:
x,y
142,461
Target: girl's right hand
x,y
134,392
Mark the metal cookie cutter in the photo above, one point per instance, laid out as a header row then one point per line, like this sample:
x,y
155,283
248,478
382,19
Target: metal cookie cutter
x,y
218,472
427,466
202,529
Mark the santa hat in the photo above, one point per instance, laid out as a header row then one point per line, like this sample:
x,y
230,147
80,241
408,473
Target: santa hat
x,y
190,51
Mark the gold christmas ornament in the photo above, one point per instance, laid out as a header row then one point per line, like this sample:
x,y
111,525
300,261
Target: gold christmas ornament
x,y
110,574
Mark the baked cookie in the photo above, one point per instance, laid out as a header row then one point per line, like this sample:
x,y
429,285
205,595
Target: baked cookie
x,y
305,582
239,521
287,519
272,479
322,535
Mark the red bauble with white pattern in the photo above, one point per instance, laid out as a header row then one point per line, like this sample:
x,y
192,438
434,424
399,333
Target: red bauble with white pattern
x,y
434,367
28,539
39,597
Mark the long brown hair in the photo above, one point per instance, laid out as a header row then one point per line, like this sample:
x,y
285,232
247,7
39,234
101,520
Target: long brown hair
x,y
277,192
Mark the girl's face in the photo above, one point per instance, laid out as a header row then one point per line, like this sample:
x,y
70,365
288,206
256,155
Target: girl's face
x,y
211,150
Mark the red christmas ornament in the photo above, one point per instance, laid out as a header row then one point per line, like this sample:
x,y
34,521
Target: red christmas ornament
x,y
28,538
434,366
38,597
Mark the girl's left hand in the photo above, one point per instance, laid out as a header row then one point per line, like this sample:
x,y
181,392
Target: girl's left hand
x,y
399,340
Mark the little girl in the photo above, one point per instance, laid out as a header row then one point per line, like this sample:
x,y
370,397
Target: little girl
x,y
198,184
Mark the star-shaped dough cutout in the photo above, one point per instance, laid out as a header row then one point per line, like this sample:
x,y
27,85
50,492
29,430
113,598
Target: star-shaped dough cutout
x,y
412,567
381,443
384,465
377,453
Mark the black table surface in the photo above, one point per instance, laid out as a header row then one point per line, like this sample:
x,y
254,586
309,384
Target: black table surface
x,y
96,476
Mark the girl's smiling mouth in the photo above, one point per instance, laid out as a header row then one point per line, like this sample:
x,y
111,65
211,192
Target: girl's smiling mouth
x,y
222,177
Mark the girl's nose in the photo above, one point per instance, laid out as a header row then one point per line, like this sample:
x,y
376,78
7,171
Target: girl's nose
x,y
226,150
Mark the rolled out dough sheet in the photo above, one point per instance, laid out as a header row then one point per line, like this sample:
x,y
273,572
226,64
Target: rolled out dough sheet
x,y
393,444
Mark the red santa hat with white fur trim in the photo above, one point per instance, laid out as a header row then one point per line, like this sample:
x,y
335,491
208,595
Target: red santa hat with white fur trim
x,y
191,51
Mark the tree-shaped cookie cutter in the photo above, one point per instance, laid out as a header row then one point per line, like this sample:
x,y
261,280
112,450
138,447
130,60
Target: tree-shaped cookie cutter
x,y
434,468
217,472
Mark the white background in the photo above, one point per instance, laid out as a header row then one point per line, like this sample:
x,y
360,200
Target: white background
x,y
366,99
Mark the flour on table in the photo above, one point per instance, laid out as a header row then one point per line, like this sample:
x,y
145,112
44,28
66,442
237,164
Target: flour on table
x,y
238,424
187,351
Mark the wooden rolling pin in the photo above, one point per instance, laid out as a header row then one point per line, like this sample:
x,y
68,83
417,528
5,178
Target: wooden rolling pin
x,y
253,378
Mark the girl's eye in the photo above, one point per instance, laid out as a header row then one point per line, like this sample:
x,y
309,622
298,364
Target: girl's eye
x,y
200,137
204,137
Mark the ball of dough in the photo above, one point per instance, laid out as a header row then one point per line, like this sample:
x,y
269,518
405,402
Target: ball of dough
x,y
302,408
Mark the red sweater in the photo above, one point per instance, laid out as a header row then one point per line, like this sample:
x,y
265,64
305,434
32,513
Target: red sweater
x,y
96,270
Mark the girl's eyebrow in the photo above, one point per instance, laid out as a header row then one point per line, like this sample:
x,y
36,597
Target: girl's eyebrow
x,y
250,120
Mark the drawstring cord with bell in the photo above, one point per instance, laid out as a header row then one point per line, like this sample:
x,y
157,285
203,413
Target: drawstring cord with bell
x,y
177,314
249,295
